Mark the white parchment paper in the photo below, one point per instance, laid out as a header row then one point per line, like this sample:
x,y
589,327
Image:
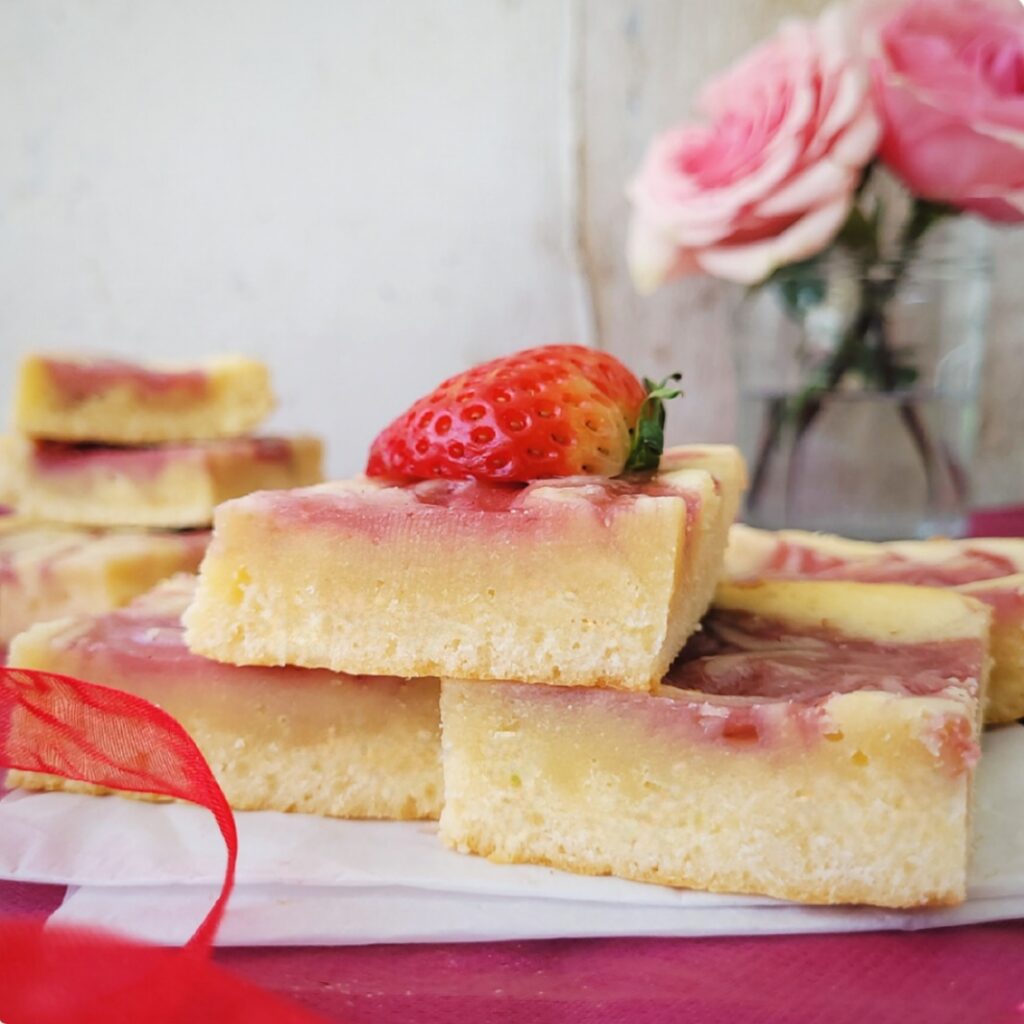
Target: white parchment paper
x,y
152,870
304,915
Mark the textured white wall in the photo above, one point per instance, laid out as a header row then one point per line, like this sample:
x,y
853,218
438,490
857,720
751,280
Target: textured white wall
x,y
371,194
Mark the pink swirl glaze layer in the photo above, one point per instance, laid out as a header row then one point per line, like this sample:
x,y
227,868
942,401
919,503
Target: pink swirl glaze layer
x,y
40,552
54,458
45,558
78,380
145,463
146,638
740,654
794,561
460,504
738,723
748,682
600,492
1007,603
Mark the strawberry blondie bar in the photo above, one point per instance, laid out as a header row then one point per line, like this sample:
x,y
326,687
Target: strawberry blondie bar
x,y
989,569
169,486
581,581
50,571
815,741
284,739
109,401
8,494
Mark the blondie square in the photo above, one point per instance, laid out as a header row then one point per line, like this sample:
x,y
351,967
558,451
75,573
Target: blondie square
x,y
51,571
108,401
580,581
283,739
990,569
815,742
171,486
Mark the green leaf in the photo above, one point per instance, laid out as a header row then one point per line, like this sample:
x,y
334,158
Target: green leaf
x,y
801,286
859,233
924,214
876,219
648,436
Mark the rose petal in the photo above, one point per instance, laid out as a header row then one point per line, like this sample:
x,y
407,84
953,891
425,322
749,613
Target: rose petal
x,y
812,187
847,105
946,77
858,143
653,257
837,30
1005,209
940,156
771,175
707,217
779,164
751,264
929,43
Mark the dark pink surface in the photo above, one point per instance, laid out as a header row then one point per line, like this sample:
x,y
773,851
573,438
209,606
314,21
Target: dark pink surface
x,y
963,975
1007,521
966,975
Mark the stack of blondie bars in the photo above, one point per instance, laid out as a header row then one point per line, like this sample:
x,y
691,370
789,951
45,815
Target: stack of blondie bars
x,y
113,472
555,668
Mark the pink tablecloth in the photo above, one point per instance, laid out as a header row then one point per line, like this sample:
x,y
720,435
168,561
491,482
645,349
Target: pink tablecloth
x,y
1007,521
966,975
962,975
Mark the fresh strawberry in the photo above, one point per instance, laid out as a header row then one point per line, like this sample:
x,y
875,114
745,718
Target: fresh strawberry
x,y
559,410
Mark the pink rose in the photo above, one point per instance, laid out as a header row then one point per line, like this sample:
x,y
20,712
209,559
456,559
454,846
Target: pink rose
x,y
768,177
949,78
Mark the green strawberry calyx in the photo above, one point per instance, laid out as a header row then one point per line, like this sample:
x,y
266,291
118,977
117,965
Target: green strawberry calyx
x,y
648,436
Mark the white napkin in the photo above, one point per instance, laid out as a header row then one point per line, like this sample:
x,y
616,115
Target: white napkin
x,y
152,870
283,915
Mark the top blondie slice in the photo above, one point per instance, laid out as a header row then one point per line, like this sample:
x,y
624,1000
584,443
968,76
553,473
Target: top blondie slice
x,y
106,401
578,581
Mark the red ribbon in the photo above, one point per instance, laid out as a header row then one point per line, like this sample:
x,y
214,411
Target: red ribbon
x,y
62,726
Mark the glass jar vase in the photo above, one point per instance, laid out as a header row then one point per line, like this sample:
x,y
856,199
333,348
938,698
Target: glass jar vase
x,y
858,392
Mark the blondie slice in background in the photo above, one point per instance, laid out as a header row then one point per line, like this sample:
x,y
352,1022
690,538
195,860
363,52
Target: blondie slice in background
x,y
283,739
580,581
8,488
1005,596
107,401
169,485
990,569
816,742
796,554
51,571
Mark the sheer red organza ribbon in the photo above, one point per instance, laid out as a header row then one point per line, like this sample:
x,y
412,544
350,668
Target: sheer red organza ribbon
x,y
77,730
